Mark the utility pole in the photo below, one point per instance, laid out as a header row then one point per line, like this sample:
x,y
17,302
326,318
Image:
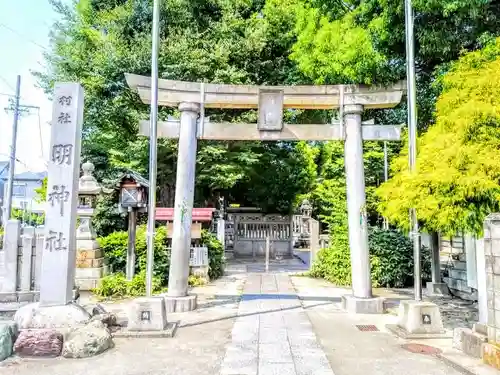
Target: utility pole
x,y
412,144
153,144
7,209
386,177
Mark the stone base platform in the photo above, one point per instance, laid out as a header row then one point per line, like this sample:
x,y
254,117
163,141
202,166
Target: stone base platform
x,y
356,305
34,316
419,319
180,304
168,332
437,290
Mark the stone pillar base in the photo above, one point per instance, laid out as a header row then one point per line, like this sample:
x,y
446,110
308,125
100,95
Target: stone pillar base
x,y
355,305
437,289
418,317
147,314
180,304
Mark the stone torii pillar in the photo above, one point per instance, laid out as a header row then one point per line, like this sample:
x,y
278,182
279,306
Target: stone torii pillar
x,y
270,101
178,300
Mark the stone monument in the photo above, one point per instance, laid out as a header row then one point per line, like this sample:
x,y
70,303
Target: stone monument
x,y
89,257
55,309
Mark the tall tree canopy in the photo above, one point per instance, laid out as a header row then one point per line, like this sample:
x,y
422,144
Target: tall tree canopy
x,y
458,165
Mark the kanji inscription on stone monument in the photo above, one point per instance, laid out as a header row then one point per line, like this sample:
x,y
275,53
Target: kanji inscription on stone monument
x,y
59,252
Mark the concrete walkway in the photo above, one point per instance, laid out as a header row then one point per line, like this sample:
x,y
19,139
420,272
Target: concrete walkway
x,y
272,334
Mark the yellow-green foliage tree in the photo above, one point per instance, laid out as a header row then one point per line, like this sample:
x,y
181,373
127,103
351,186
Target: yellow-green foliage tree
x,y
456,183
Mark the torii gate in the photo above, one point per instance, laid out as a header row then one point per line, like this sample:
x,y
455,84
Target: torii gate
x,y
192,98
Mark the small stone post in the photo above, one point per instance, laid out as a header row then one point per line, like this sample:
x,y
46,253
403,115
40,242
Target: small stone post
x,y
90,261
178,299
361,300
491,351
436,287
8,261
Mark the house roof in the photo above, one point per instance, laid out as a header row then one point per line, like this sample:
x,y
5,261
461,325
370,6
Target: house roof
x,y
29,176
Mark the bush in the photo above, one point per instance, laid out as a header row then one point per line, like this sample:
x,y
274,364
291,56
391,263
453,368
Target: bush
x,y
115,252
394,253
117,286
215,254
391,257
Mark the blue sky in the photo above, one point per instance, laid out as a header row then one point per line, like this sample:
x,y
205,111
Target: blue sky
x,y
24,29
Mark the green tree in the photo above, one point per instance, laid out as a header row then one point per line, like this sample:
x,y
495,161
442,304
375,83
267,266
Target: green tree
x,y
458,164
97,42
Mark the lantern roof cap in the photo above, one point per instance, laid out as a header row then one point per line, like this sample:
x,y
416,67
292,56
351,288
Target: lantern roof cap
x,y
130,174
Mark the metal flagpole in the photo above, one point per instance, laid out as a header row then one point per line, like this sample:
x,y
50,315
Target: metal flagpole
x,y
153,144
412,143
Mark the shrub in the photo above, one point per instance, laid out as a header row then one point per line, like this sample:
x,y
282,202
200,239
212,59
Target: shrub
x,y
117,286
394,252
391,257
115,251
215,254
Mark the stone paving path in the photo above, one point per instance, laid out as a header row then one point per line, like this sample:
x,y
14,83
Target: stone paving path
x,y
272,334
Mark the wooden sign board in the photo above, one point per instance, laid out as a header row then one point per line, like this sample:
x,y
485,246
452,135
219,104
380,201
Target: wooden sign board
x,y
195,230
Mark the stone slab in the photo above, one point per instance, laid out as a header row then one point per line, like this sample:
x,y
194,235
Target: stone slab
x,y
90,263
402,333
356,305
420,317
89,254
168,332
89,273
180,304
437,289
147,314
87,284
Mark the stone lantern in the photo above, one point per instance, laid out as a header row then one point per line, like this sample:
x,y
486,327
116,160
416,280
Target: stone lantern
x,y
306,211
90,261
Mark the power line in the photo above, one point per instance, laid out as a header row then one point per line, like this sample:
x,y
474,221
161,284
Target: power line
x,y
22,36
8,84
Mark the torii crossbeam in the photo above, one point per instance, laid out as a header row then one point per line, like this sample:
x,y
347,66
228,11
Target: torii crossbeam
x,y
191,98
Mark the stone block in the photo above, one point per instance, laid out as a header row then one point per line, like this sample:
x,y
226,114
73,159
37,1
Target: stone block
x,y
87,341
420,317
90,263
491,355
354,305
458,265
495,247
43,317
147,314
87,244
89,254
39,343
180,304
26,296
469,342
437,289
87,284
8,297
89,273
480,328
458,274
7,338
